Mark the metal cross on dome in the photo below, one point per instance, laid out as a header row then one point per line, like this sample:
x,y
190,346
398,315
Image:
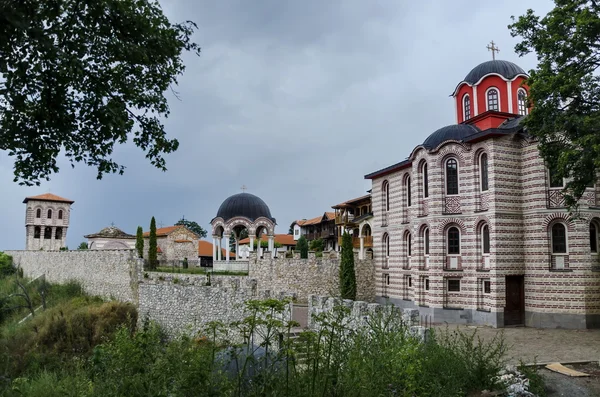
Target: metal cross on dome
x,y
492,47
244,188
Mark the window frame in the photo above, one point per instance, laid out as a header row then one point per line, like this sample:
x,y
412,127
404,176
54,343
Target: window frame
x,y
426,283
456,248
594,238
425,174
60,214
37,232
426,246
484,179
408,244
457,280
486,286
522,103
408,190
58,233
386,195
49,213
563,247
466,107
38,213
47,233
487,99
447,177
485,239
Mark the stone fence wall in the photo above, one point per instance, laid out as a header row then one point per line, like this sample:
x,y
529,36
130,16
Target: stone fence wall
x,y
312,276
110,274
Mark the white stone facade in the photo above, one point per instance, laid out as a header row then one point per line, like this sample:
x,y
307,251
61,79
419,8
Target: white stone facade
x,y
46,224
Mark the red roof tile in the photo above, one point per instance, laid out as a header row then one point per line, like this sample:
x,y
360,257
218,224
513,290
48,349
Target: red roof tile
x,y
205,248
316,220
164,231
48,197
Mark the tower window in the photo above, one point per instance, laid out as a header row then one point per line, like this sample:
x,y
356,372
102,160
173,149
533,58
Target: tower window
x,y
453,241
485,232
492,99
60,214
483,165
559,239
58,234
37,231
47,233
467,106
522,102
38,213
451,176
49,214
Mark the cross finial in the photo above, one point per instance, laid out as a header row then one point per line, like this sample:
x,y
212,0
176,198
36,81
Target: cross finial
x,y
112,224
244,188
160,224
492,47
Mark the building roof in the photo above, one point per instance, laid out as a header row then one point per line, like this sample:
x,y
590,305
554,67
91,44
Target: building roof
x,y
111,232
283,239
454,132
506,69
327,216
49,197
205,248
246,205
353,202
165,231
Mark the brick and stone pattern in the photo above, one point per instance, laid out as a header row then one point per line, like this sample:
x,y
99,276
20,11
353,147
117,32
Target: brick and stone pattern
x,y
519,208
312,276
109,274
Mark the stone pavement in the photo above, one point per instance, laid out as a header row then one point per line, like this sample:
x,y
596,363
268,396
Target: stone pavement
x,y
542,345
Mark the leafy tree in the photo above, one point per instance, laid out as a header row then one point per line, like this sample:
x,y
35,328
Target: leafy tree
x,y
139,242
193,226
347,275
80,76
152,246
6,265
302,246
291,231
243,235
83,246
317,245
565,89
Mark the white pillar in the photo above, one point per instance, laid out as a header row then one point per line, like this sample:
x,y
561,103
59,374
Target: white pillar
x,y
272,246
214,248
361,253
237,248
227,254
219,249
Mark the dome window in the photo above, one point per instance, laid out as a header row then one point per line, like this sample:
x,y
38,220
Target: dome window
x,y
467,107
493,99
522,101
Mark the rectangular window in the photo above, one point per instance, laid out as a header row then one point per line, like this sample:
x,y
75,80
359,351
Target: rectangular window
x,y
426,284
453,285
484,173
487,286
387,279
409,281
425,181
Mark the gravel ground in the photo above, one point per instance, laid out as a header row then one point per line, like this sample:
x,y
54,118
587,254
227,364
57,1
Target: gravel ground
x,y
559,385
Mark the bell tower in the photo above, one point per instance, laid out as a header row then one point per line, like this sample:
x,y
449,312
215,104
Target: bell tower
x,y
46,222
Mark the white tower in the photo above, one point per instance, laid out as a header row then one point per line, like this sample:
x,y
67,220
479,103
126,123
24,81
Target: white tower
x,y
46,222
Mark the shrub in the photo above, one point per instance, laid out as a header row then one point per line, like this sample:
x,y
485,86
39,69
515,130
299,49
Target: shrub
x,y
536,382
6,265
83,246
185,263
139,242
152,246
347,274
302,246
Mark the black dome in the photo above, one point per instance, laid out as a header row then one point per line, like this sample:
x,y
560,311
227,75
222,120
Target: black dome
x,y
456,132
246,205
506,69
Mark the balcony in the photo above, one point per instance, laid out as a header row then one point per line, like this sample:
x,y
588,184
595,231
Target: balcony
x,y
367,243
327,233
343,219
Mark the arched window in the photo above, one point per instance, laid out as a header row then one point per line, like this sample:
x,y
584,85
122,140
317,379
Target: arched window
x,y
492,99
37,231
451,176
485,239
522,101
386,195
559,238
48,233
58,234
408,191
425,181
49,214
38,213
60,214
593,237
483,169
453,241
386,250
408,241
467,106
426,241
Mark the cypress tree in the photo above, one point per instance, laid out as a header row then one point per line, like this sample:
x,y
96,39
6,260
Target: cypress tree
x,y
152,247
302,246
347,275
139,242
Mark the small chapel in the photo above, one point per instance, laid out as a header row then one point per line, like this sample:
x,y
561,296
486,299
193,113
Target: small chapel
x,y
473,228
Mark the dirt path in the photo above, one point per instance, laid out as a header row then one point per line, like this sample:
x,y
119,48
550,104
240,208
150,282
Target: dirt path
x,y
558,385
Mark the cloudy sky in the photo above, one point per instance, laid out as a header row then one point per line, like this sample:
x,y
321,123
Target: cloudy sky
x,y
297,100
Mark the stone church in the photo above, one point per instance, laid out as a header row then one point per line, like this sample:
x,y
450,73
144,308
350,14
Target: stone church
x,y
46,222
472,227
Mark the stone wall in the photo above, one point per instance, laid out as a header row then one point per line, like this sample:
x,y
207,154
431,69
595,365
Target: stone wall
x,y
312,276
109,274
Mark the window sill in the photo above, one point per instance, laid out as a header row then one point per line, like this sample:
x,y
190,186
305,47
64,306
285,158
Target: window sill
x,y
453,308
561,270
484,310
478,211
483,270
423,305
453,270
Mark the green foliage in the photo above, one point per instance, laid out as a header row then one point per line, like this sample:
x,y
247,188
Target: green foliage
x,y
82,246
291,230
152,246
6,265
64,249
95,75
139,242
185,263
347,274
193,226
536,381
317,245
565,89
243,234
302,246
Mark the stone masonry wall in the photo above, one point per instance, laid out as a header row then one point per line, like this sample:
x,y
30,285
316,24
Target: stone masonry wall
x,y
312,276
108,274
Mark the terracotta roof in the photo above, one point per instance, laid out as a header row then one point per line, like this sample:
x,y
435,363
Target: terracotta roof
x,y
164,231
352,201
111,232
283,239
205,248
48,197
313,221
183,241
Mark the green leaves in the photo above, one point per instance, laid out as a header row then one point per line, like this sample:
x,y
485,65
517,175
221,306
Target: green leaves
x,y
565,89
193,226
347,274
79,76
